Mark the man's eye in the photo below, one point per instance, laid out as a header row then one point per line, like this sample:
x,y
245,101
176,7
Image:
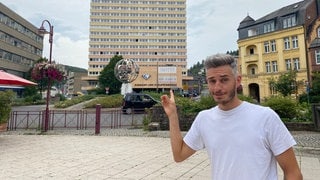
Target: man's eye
x,y
224,80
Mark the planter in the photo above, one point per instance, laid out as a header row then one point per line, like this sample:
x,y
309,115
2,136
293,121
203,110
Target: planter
x,y
3,126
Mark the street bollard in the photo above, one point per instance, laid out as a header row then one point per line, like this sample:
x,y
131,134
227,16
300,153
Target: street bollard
x,y
98,117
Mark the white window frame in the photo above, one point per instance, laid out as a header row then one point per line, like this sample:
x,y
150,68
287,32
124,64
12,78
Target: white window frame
x,y
317,56
268,27
274,66
296,63
286,41
294,42
288,64
266,47
273,45
289,22
268,67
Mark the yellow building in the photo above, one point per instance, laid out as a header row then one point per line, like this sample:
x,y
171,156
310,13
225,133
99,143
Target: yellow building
x,y
273,45
150,32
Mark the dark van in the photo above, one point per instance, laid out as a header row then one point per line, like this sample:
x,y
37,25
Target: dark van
x,y
137,102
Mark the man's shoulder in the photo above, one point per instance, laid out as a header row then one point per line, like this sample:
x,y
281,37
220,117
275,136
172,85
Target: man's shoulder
x,y
256,107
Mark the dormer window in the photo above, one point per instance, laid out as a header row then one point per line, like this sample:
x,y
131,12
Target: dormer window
x,y
252,32
289,21
269,27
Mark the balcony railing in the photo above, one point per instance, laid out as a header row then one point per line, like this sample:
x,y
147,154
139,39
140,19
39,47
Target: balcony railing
x,y
251,58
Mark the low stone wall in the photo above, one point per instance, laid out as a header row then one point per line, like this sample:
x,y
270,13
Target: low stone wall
x,y
300,126
158,116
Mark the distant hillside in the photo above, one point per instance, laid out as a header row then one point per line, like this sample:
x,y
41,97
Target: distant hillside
x,y
75,69
196,68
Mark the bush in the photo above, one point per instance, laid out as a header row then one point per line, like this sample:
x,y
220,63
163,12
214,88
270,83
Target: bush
x,y
61,97
109,101
6,99
73,101
33,98
191,107
286,107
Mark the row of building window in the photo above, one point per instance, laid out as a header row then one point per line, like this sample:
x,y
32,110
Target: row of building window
x,y
138,40
269,27
136,46
270,46
97,66
138,53
287,22
139,2
272,66
19,44
127,8
142,59
294,40
131,34
142,14
139,21
20,28
15,58
138,27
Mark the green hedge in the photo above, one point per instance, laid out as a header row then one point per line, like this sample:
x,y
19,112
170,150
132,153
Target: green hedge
x,y
6,99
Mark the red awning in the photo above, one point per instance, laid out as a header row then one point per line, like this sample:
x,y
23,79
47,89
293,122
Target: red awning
x,y
10,79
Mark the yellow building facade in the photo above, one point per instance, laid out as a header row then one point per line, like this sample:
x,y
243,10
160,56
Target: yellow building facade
x,y
274,45
259,67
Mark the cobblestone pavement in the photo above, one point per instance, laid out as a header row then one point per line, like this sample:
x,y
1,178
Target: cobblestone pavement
x,y
127,154
308,142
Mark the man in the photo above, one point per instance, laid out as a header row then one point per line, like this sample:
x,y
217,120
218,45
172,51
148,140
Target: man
x,y
243,140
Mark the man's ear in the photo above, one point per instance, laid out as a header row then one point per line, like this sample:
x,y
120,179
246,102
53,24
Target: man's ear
x,y
239,85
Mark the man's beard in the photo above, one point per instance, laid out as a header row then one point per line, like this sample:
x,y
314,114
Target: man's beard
x,y
231,95
229,98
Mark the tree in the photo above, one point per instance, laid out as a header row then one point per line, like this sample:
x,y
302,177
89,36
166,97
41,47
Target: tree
x,y
286,83
313,95
108,79
316,83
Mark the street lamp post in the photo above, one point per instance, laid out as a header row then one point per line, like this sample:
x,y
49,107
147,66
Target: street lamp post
x,y
43,31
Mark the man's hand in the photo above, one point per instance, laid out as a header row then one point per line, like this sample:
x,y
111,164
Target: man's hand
x,y
180,149
169,104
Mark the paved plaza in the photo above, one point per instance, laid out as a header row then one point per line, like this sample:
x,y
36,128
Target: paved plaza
x,y
117,154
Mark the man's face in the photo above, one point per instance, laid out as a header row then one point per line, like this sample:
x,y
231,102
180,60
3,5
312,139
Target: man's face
x,y
222,84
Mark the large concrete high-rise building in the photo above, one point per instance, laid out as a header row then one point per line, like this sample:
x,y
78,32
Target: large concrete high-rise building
x,y
20,45
150,32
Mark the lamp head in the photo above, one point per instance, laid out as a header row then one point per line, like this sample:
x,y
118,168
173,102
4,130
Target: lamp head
x,y
42,30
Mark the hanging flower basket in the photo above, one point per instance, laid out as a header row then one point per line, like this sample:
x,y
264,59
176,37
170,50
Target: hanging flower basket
x,y
45,70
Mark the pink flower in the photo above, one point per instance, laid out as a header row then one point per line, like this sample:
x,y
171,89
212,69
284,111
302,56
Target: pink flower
x,y
47,71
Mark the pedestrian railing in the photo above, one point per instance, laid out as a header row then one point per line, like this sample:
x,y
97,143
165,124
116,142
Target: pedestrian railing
x,y
74,119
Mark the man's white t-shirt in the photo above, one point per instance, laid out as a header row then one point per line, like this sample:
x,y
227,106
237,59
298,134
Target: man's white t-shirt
x,y
241,143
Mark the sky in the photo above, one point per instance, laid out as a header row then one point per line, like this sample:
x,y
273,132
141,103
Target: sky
x,y
211,25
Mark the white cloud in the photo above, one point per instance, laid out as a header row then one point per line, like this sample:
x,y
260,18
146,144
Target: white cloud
x,y
67,51
212,25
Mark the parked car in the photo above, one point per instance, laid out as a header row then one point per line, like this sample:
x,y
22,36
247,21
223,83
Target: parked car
x,y
137,102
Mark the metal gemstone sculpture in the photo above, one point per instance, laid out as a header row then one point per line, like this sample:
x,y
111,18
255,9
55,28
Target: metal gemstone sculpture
x,y
126,71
